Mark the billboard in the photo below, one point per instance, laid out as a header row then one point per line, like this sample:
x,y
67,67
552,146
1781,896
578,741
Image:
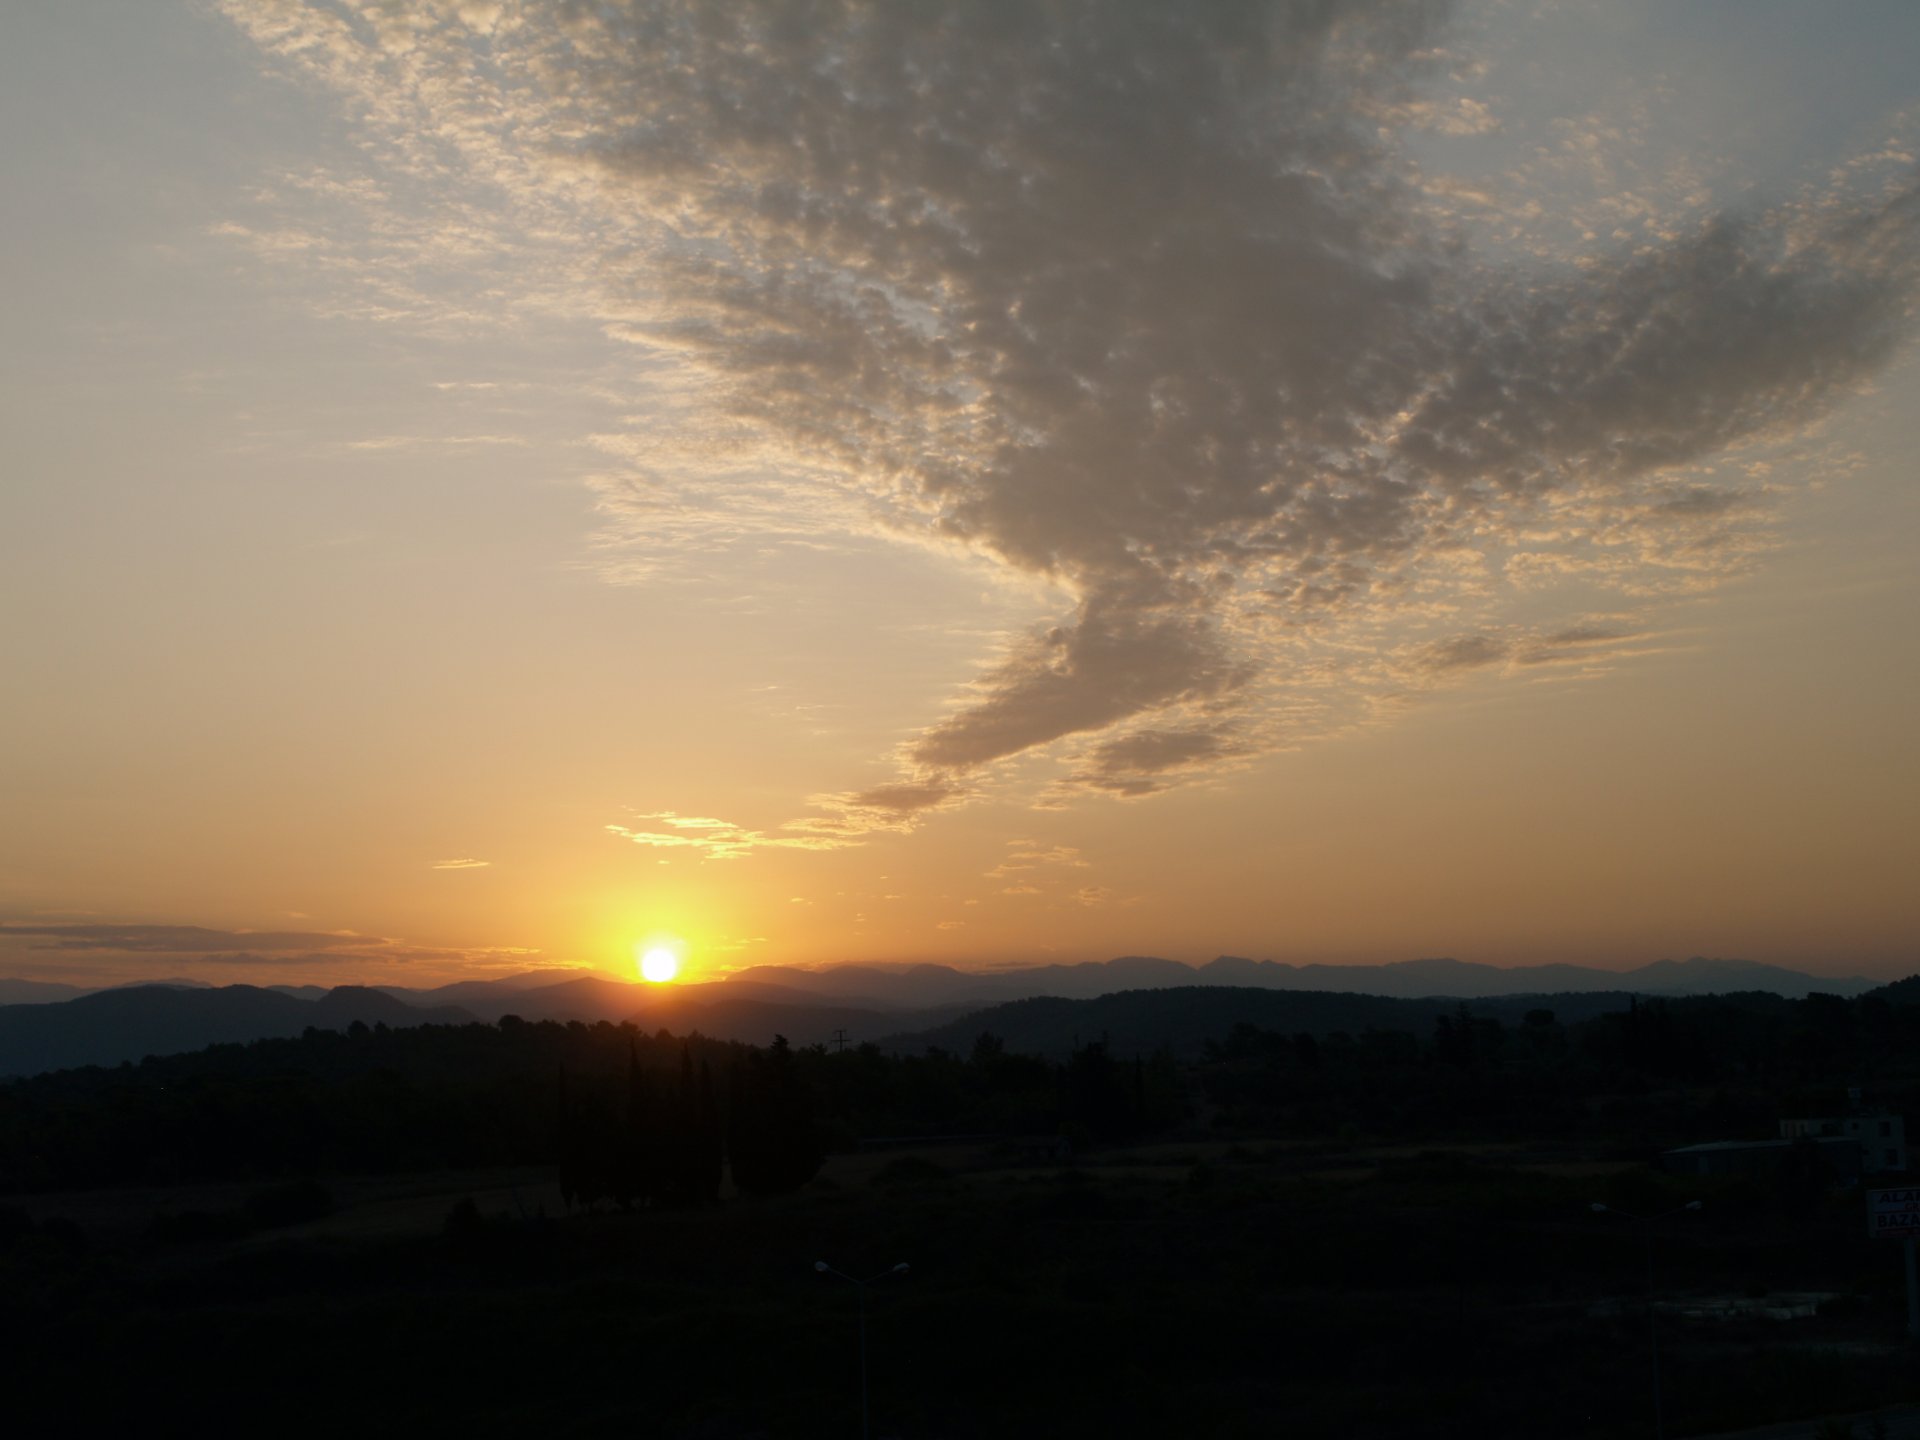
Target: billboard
x,y
1893,1214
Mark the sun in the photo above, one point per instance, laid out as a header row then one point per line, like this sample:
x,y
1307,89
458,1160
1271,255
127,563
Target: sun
x,y
659,964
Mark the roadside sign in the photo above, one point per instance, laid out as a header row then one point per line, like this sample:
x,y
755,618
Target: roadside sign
x,y
1893,1214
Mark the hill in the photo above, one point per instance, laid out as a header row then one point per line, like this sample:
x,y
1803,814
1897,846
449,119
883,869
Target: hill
x,y
110,1026
913,985
1140,1022
912,1005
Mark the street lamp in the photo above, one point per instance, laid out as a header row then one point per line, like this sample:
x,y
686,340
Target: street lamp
x,y
1653,1318
823,1268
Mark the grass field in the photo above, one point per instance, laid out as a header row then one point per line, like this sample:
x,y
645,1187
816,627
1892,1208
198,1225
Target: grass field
x,y
1194,1289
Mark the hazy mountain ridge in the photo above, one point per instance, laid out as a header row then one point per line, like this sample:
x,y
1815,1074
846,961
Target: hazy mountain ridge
x,y
109,1026
38,992
1182,1020
1405,979
910,1005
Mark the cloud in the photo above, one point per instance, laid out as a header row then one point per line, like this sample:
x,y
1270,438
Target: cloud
x,y
422,442
463,864
1029,856
1147,760
111,953
721,839
179,939
1466,652
895,807
1150,303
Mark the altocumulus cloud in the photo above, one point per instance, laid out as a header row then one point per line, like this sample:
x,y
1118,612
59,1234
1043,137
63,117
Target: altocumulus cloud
x,y
1151,302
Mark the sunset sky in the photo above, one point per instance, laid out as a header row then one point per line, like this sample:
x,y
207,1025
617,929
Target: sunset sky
x,y
488,483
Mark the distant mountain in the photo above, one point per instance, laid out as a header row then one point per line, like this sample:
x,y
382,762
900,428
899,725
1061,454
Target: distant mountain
x,y
756,1022
43,1030
1468,980
589,998
300,992
480,995
110,1026
45,992
1900,992
1408,979
904,987
37,992
594,996
724,1010
1700,976
907,987
1139,1022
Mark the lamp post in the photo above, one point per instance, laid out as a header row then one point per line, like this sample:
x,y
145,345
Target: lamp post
x,y
824,1268
1653,1317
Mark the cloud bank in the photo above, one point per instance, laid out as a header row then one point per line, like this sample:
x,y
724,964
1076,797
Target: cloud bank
x,y
1149,302
55,948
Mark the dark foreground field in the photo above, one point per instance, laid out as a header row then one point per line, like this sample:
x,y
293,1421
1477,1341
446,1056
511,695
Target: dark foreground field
x,y
1198,1290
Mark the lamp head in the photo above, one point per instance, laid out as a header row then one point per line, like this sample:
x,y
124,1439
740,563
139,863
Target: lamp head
x,y
899,1269
1598,1208
821,1266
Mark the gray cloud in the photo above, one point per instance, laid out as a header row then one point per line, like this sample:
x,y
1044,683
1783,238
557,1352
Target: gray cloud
x,y
1146,300
1113,662
1587,644
178,939
1466,652
1146,761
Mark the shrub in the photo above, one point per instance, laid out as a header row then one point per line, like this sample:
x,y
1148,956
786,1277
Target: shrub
x,y
292,1204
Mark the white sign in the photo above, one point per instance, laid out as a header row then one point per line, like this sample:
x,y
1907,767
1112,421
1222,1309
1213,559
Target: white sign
x,y
1893,1214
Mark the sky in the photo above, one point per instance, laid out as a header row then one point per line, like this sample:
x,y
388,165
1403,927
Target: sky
x,y
492,483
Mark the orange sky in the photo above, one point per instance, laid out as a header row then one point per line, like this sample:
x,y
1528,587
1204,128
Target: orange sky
x,y
480,497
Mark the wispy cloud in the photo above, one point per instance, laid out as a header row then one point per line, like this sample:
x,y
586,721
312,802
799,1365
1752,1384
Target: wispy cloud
x,y
179,939
720,839
466,863
1028,856
432,442
106,952
1150,303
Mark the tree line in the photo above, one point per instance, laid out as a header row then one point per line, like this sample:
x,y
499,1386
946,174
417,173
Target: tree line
x,y
667,1142
638,1119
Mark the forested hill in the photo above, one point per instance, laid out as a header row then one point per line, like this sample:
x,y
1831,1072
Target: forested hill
x,y
1183,1020
115,1025
381,1098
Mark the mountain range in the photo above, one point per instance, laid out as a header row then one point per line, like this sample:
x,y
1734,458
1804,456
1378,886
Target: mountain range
x,y
922,985
110,1026
914,1004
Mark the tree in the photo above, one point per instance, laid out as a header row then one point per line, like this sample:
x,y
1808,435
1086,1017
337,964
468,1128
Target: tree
x,y
773,1143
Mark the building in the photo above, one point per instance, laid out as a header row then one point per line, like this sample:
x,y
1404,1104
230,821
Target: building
x,y
1882,1137
1863,1142
1840,1154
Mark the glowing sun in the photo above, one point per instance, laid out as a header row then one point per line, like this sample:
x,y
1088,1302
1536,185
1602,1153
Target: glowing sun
x,y
659,965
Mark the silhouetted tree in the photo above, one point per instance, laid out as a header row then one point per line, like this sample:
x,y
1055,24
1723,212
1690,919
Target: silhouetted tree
x,y
773,1144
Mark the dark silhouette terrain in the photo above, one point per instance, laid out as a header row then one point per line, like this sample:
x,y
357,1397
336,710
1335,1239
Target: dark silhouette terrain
x,y
1320,1231
110,1026
48,1030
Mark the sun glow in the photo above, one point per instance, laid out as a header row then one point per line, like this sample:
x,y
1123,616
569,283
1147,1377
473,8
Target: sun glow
x,y
659,964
